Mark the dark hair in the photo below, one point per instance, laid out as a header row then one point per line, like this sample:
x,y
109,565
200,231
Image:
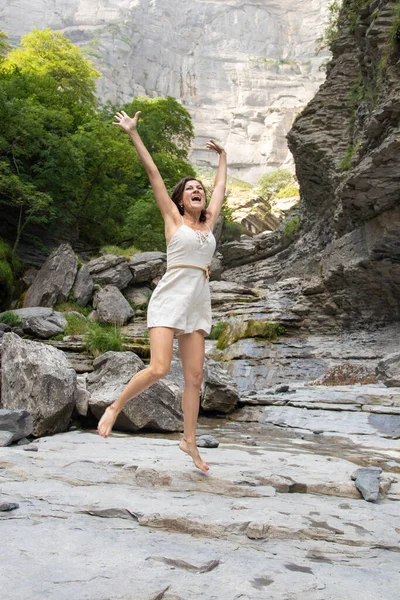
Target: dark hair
x,y
177,194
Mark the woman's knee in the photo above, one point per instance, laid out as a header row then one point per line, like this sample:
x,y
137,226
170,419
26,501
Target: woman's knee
x,y
194,379
158,370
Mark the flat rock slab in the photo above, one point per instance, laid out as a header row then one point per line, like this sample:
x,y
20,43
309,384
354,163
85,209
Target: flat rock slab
x,y
135,512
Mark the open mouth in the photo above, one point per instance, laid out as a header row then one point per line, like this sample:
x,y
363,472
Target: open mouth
x,y
196,199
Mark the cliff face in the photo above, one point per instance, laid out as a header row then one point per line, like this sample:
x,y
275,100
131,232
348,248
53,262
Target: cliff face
x,y
346,146
243,70
347,151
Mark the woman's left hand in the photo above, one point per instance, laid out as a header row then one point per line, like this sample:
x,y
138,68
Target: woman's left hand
x,y
212,145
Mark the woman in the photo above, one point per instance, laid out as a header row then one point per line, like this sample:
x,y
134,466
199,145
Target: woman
x,y
181,302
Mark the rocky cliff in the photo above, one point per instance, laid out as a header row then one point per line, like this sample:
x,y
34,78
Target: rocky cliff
x,y
346,150
243,70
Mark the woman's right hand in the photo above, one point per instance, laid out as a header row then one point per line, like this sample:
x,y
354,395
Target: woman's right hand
x,y
126,123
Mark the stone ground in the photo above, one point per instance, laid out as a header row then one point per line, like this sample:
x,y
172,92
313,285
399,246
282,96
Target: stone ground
x,y
128,518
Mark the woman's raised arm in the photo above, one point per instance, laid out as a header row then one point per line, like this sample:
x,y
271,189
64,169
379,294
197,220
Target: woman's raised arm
x,y
218,195
164,202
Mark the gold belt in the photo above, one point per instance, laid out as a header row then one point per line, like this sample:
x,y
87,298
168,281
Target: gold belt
x,y
206,270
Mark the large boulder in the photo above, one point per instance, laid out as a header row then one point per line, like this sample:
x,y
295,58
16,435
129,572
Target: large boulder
x,y
37,378
111,306
388,370
220,391
40,327
157,408
55,279
83,286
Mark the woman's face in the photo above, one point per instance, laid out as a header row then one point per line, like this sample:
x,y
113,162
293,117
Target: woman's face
x,y
194,196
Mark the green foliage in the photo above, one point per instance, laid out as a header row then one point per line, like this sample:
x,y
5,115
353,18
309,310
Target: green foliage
x,y
103,338
10,268
117,251
272,183
289,191
11,319
76,325
62,162
49,53
351,151
331,31
264,329
291,227
217,330
71,305
4,45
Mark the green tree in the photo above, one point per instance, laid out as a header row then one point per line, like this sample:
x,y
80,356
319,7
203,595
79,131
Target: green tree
x,y
271,183
50,53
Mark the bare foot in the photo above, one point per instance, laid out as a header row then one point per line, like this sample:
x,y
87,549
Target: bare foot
x,y
191,449
107,421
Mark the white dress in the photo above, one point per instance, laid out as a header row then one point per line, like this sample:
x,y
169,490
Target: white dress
x,y
182,300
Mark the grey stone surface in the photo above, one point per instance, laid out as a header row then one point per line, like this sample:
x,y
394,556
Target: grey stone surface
x,y
157,408
97,495
83,286
55,279
18,422
388,370
111,306
139,295
118,275
37,378
220,392
366,480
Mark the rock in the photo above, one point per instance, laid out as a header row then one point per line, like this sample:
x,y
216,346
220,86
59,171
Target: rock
x,y
55,279
36,377
41,328
33,312
139,295
147,266
7,506
388,370
31,448
257,531
207,441
282,389
18,422
4,328
111,306
156,408
119,275
220,392
82,396
23,442
366,480
216,267
105,263
6,438
83,286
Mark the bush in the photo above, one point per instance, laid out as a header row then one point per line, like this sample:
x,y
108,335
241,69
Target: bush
x,y
272,183
103,338
289,191
76,325
9,318
291,227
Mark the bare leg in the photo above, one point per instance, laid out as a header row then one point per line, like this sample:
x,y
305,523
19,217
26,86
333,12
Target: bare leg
x,y
191,348
161,344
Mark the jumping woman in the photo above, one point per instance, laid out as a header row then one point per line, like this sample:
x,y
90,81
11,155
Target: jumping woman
x,y
181,303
